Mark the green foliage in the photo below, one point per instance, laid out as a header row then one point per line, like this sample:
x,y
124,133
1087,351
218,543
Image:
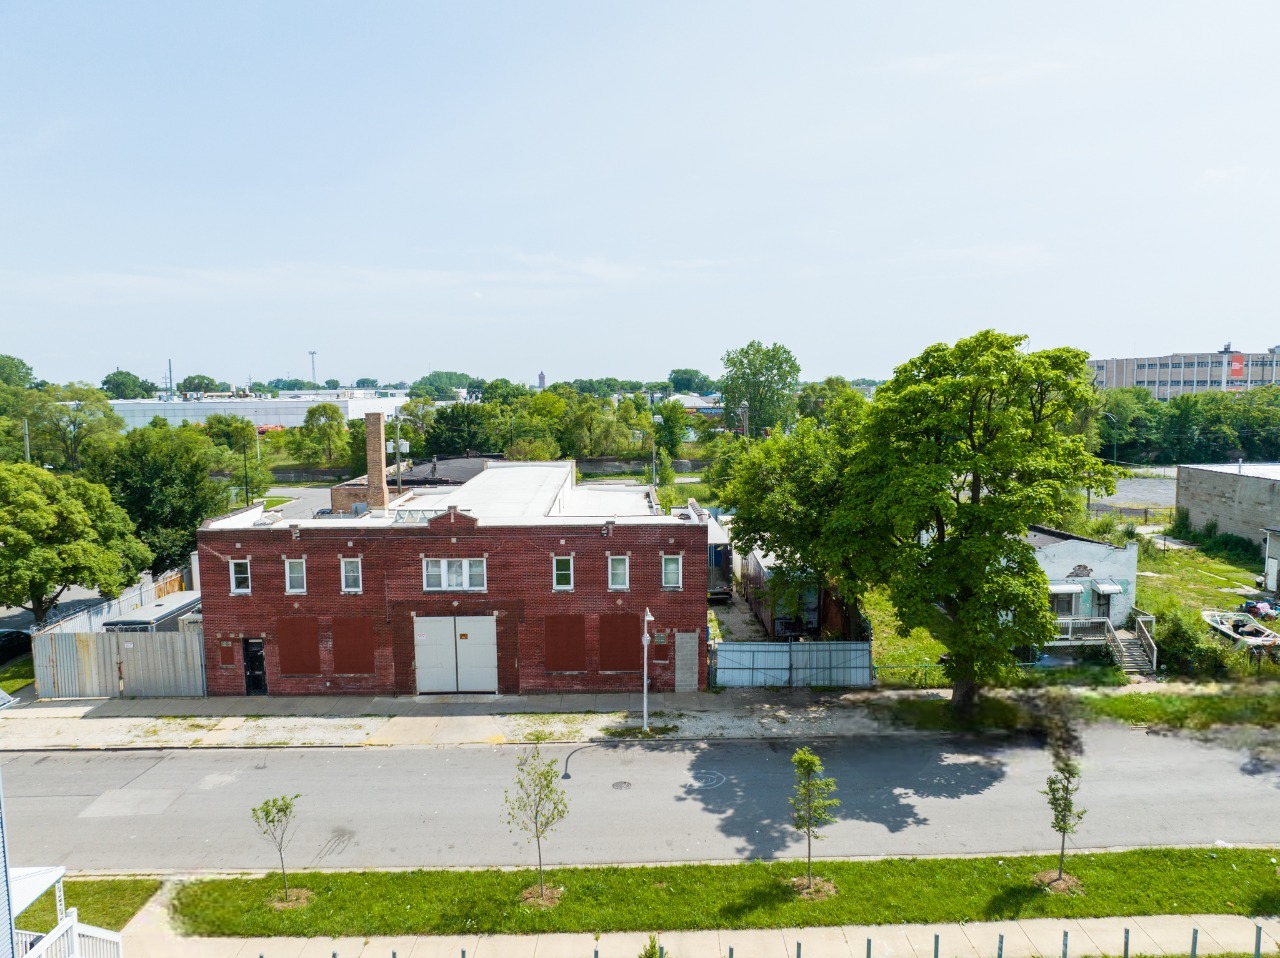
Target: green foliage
x,y
69,421
287,385
364,382
440,385
503,391
417,417
666,474
322,437
357,451
1185,643
1185,881
691,381
538,803
815,397
464,427
161,477
811,801
123,384
1208,426
960,452
605,387
533,450
333,384
274,819
108,903
669,433
765,377
1222,545
14,372
59,532
198,383
651,948
1061,788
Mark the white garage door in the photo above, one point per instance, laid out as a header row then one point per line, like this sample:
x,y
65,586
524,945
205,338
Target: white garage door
x,y
456,654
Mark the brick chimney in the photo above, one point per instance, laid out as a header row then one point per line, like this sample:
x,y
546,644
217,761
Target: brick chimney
x,y
375,445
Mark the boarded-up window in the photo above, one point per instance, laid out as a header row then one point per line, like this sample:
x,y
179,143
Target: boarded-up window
x,y
353,645
564,641
620,648
226,652
299,640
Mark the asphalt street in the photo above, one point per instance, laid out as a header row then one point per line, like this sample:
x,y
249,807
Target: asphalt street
x,y
189,810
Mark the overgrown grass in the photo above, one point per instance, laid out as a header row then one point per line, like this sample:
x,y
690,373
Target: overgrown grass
x,y
752,895
18,673
107,903
1231,707
272,501
907,656
1087,676
934,715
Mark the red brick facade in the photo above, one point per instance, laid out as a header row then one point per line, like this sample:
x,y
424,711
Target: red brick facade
x,y
519,593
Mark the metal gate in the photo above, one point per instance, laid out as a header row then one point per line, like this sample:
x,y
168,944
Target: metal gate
x,y
456,653
782,664
88,665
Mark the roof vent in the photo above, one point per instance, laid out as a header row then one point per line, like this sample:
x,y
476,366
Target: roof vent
x,y
268,519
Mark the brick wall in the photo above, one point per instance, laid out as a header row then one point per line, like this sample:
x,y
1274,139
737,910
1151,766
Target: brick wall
x,y
519,594
1240,504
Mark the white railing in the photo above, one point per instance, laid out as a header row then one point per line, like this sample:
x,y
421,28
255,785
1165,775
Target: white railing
x,y
1143,623
69,939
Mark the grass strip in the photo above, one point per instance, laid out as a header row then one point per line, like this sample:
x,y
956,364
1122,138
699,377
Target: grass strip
x,y
749,895
1233,707
104,902
18,673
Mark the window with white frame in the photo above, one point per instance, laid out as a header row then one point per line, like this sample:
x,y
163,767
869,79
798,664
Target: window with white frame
x,y
352,580
672,572
562,572
619,572
453,575
295,576
240,584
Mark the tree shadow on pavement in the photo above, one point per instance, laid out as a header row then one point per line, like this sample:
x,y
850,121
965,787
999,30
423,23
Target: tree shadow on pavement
x,y
878,781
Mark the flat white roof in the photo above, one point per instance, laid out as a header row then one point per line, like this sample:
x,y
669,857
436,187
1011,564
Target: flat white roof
x,y
505,493
1255,470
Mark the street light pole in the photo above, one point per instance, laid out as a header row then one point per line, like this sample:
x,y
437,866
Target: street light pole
x,y
644,641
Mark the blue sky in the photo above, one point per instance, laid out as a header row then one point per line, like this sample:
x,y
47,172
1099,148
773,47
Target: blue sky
x,y
619,189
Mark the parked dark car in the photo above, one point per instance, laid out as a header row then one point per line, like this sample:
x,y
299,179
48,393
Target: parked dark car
x,y
13,644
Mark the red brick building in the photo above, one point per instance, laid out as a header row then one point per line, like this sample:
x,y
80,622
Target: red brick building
x,y
519,580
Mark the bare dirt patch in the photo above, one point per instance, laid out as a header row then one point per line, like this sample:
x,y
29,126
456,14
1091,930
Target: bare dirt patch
x,y
537,898
298,898
821,890
1050,882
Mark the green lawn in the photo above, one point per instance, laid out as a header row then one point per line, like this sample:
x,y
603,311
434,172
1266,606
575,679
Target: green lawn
x,y
904,656
272,501
17,673
106,903
1189,577
1230,707
750,895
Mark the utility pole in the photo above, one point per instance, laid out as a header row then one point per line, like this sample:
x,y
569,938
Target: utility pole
x,y
26,441
399,469
171,384
313,365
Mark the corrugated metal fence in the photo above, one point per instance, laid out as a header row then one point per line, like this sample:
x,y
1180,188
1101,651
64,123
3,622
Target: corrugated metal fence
x,y
90,619
759,664
87,665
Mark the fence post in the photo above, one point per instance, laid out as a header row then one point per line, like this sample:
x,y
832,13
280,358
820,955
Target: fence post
x,y
1000,948
1257,941
869,944
1064,944
935,946
1195,933
1126,943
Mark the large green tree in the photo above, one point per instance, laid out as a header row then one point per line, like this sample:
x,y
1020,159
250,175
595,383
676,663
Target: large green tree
x,y
766,378
60,531
161,476
68,421
464,427
198,383
14,372
691,381
959,453
669,433
324,431
814,398
122,384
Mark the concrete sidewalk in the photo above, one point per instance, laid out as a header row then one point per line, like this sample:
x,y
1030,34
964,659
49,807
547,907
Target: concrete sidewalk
x,y
150,935
345,721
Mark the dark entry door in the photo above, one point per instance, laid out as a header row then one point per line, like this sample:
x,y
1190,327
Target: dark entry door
x,y
255,668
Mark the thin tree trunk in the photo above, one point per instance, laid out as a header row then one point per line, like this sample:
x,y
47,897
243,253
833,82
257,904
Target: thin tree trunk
x,y
542,891
285,875
809,835
1062,855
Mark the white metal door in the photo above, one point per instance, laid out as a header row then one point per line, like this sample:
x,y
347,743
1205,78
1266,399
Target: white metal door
x,y
435,655
477,645
1272,566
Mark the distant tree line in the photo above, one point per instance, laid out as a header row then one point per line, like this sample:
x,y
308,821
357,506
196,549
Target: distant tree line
x,y
1133,426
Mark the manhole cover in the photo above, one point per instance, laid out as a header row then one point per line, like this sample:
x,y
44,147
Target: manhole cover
x,y
705,780
622,786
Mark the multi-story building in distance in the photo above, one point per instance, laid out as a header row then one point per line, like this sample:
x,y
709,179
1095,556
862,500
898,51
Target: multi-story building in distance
x,y
1225,370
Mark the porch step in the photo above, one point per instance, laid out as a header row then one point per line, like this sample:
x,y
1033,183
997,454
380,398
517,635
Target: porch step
x,y
1133,659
